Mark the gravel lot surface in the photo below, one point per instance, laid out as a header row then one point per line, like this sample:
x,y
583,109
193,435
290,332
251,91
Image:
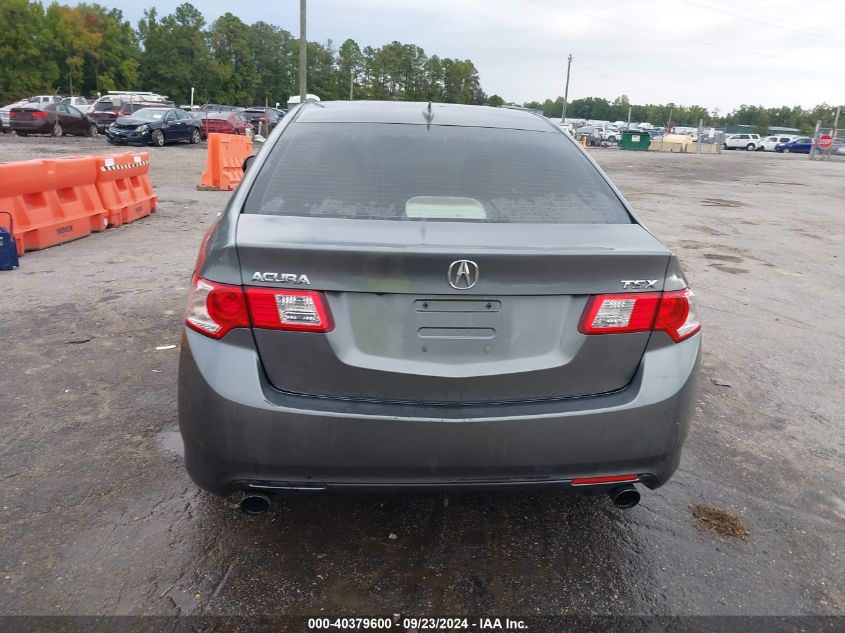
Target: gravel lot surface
x,y
97,515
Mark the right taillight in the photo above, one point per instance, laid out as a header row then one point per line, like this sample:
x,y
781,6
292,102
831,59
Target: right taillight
x,y
214,309
672,312
678,314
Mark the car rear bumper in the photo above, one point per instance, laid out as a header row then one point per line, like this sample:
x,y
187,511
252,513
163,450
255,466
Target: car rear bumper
x,y
240,432
32,127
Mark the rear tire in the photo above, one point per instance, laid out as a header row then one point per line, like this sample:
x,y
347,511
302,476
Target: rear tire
x,y
93,131
195,136
57,130
750,147
157,138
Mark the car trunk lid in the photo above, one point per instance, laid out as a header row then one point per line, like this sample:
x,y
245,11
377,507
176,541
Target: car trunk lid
x,y
25,114
403,332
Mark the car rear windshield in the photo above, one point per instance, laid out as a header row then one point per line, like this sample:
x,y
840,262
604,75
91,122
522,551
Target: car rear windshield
x,y
414,172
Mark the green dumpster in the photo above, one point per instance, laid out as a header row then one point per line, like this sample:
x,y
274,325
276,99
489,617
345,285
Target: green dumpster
x,y
635,139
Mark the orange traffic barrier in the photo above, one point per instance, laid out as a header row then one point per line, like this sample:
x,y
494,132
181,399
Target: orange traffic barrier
x,y
224,161
52,201
124,186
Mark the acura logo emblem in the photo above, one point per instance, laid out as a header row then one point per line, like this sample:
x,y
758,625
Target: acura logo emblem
x,y
463,274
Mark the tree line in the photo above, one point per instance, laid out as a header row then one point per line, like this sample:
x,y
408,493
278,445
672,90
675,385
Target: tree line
x,y
760,118
89,48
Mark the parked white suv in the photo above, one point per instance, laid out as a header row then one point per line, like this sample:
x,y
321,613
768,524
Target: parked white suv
x,y
611,134
768,144
44,99
742,141
80,103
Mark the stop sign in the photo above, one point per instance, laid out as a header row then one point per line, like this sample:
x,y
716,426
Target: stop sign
x,y
825,141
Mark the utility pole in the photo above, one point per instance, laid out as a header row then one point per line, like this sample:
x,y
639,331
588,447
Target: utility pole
x,y
628,127
303,51
700,134
351,81
835,129
566,91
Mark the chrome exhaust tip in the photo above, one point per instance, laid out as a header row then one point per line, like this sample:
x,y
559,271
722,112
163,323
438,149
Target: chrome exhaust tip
x,y
624,496
254,504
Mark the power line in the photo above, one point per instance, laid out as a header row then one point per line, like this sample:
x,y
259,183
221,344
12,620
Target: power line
x,y
675,35
763,22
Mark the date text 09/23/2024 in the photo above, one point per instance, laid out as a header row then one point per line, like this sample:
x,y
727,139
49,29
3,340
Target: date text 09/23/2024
x,y
416,624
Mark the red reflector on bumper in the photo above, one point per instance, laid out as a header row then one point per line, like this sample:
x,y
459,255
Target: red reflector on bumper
x,y
585,481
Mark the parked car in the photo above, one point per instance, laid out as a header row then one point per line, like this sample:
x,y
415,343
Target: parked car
x,y
216,107
55,119
224,123
801,145
80,103
4,114
593,135
367,313
742,141
154,126
603,133
107,108
769,143
45,99
266,118
610,134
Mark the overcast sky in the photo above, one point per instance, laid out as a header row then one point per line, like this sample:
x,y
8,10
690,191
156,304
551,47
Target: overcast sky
x,y
714,53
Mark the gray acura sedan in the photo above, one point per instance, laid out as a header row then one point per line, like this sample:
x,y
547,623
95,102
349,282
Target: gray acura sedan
x,y
411,295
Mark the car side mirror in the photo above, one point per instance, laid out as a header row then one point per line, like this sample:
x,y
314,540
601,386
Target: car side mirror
x,y
249,160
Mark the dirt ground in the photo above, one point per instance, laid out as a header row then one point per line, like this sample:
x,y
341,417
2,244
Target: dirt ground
x,y
97,515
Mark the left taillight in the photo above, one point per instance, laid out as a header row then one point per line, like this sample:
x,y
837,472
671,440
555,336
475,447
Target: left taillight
x,y
39,114
214,309
672,312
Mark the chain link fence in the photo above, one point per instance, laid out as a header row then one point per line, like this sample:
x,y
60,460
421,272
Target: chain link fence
x,y
829,142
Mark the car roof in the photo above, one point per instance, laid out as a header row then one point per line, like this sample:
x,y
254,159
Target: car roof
x,y
412,112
